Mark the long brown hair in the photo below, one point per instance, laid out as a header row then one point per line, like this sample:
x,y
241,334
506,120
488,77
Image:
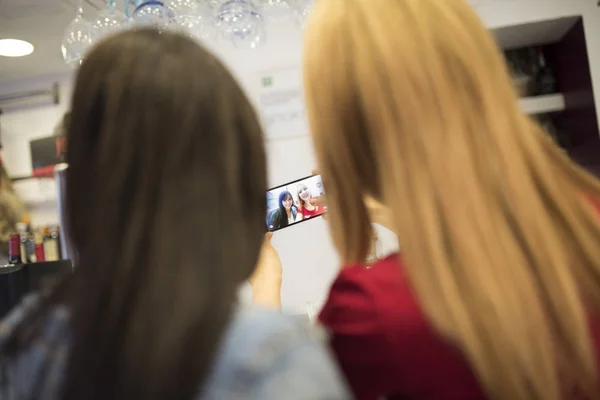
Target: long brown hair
x,y
410,101
162,146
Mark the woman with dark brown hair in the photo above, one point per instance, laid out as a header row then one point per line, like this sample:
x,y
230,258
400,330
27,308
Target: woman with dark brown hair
x,y
162,147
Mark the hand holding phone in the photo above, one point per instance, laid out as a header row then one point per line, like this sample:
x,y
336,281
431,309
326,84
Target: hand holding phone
x,y
266,279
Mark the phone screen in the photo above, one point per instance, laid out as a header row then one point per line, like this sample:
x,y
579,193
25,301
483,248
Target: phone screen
x,y
294,202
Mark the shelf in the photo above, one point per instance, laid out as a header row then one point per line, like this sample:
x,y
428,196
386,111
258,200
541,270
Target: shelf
x,y
543,104
534,33
25,178
10,268
46,172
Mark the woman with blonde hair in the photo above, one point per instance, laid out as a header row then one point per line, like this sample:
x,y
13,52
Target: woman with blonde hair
x,y
306,207
497,291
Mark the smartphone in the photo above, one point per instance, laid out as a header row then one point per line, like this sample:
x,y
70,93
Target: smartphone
x,y
294,202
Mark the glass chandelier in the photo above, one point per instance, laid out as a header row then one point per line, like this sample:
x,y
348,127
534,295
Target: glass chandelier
x,y
241,22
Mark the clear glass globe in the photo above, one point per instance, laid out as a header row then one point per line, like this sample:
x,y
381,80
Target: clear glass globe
x,y
77,40
184,7
193,18
197,27
252,35
214,4
108,21
303,11
152,13
233,15
278,11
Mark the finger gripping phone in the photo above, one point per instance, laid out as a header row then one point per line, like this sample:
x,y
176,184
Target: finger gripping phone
x,y
294,202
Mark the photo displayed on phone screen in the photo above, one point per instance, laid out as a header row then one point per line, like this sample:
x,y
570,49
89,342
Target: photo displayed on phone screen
x,y
294,202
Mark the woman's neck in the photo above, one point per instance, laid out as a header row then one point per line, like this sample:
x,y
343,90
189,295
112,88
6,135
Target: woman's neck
x,y
288,211
308,205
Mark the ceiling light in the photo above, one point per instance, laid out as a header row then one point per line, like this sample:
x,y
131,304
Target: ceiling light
x,y
15,48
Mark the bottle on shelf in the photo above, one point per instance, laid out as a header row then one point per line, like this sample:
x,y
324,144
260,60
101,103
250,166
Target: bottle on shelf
x,y
30,247
55,233
14,249
23,236
50,245
522,71
40,255
546,79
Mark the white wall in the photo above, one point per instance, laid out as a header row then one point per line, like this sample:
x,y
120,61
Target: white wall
x,y
19,126
307,274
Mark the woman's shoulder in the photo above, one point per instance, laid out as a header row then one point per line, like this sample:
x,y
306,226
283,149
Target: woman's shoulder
x,y
378,297
375,308
273,214
384,279
9,323
266,355
35,371
260,325
53,328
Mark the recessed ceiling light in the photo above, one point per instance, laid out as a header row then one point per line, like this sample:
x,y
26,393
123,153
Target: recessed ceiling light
x,y
15,48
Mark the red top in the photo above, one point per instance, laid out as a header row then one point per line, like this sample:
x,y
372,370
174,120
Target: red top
x,y
385,345
306,213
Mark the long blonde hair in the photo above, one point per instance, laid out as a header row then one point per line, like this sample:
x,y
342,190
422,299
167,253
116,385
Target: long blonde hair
x,y
301,203
410,101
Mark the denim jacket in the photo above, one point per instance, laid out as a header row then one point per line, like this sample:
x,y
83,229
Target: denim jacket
x,y
264,355
274,216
